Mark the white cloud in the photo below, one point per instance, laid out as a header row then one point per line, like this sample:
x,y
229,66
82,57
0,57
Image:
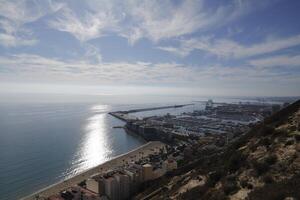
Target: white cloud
x,y
89,25
14,14
178,51
92,54
231,49
37,68
155,20
8,40
158,20
241,80
282,61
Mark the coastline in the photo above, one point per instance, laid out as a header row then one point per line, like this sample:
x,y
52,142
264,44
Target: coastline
x,y
117,161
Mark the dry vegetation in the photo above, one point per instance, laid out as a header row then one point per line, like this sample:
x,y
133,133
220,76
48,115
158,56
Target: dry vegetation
x,y
263,164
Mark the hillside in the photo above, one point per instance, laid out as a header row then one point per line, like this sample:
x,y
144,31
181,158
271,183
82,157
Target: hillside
x,y
262,164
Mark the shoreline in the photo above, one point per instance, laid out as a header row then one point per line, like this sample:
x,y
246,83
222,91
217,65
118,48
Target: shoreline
x,y
117,161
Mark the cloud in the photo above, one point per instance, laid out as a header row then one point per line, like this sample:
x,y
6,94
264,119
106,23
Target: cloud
x,y
226,48
15,14
157,20
154,20
213,79
28,67
283,61
92,54
8,40
178,51
87,26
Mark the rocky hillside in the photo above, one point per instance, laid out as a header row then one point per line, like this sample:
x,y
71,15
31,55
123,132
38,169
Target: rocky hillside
x,y
262,164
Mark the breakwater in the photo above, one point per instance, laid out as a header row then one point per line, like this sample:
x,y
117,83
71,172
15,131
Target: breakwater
x,y
155,108
124,115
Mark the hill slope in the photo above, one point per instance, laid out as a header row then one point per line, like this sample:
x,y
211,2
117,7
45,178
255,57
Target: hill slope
x,y
262,164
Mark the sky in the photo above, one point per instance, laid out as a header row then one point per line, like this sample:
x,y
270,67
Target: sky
x,y
197,47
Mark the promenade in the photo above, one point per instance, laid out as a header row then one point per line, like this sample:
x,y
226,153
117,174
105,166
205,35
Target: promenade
x,y
118,161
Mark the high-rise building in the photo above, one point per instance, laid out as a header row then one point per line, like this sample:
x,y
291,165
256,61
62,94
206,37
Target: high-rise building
x,y
112,188
147,172
124,182
96,184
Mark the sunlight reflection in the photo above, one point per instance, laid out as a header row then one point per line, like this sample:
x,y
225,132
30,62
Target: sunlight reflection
x,y
95,147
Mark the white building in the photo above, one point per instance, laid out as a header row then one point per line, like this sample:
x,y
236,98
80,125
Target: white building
x,y
112,188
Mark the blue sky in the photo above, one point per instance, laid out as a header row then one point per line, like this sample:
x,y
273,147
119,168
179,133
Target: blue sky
x,y
204,47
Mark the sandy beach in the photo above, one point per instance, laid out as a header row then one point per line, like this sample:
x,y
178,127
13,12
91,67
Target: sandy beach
x,y
133,155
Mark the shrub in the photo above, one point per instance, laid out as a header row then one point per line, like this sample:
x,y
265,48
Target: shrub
x,y
265,142
268,179
244,183
230,187
297,137
235,161
214,177
278,190
266,130
250,186
289,142
231,178
271,159
261,167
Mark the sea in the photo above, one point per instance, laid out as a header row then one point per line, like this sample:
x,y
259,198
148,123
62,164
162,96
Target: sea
x,y
45,139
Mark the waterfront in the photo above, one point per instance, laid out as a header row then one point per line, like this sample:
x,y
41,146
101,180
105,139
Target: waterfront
x,y
119,161
44,143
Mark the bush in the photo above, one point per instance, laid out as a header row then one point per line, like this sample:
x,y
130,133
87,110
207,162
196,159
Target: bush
x,y
230,187
289,142
250,186
279,133
268,179
231,178
214,177
265,142
236,161
271,159
266,130
297,137
261,167
278,190
244,183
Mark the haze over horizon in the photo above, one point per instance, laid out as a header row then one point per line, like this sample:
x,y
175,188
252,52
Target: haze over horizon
x,y
230,47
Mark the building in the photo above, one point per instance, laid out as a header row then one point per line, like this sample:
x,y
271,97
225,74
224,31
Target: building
x,y
96,185
112,188
148,172
124,182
